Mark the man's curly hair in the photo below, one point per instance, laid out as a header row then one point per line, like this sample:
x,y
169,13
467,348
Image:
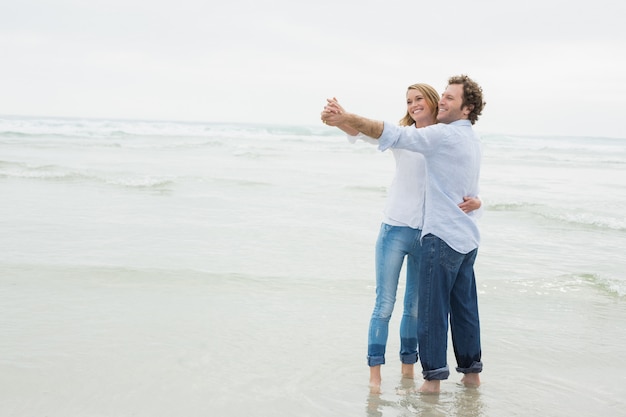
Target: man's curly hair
x,y
472,95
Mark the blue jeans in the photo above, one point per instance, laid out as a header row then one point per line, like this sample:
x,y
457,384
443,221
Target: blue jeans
x,y
394,243
447,289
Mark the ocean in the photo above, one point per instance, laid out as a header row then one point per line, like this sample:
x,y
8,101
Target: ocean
x,y
204,269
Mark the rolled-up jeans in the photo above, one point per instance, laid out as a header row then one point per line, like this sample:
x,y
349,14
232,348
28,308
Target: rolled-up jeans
x,y
447,289
394,243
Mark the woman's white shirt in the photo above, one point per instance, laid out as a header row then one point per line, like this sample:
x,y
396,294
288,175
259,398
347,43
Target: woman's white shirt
x,y
405,196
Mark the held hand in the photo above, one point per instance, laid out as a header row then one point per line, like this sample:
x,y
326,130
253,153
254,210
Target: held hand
x,y
332,115
333,103
470,204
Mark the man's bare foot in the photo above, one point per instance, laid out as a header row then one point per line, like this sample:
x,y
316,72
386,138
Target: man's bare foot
x,y
375,379
430,387
471,380
407,370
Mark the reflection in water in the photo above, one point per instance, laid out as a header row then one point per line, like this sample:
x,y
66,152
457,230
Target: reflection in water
x,y
467,402
455,401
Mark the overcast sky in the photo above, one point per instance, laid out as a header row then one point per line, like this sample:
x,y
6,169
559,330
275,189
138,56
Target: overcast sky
x,y
546,66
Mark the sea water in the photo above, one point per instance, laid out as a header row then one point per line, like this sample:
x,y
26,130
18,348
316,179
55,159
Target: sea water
x,y
203,269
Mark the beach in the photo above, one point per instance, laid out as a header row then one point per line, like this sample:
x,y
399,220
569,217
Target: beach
x,y
160,268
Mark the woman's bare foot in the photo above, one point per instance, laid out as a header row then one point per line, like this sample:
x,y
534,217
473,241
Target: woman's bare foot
x,y
375,379
407,370
375,389
430,387
471,380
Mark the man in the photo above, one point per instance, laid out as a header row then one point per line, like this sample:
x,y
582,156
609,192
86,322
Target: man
x,y
450,238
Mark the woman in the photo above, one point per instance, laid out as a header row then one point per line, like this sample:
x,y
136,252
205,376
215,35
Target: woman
x,y
399,238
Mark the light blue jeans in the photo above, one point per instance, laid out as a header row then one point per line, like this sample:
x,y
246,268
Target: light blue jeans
x,y
447,290
394,244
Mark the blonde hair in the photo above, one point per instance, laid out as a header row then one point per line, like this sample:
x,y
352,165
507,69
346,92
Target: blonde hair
x,y
430,95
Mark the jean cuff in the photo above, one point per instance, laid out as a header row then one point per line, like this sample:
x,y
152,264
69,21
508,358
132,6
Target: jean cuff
x,y
475,368
409,358
375,360
437,374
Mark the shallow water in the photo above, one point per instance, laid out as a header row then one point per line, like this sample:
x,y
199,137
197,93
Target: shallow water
x,y
153,269
88,341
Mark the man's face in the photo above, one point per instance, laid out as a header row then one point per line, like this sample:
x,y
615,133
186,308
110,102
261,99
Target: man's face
x,y
450,105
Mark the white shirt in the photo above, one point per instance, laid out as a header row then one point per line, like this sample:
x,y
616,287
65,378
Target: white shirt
x,y
405,196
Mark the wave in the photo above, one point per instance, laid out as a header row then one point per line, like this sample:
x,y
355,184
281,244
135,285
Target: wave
x,y
577,282
587,219
508,206
575,218
18,170
102,128
248,141
55,173
611,286
112,139
15,127
549,149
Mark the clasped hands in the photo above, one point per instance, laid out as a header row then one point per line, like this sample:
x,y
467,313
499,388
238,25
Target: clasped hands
x,y
333,113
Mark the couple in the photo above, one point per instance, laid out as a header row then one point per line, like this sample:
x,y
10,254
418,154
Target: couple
x,y
430,218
